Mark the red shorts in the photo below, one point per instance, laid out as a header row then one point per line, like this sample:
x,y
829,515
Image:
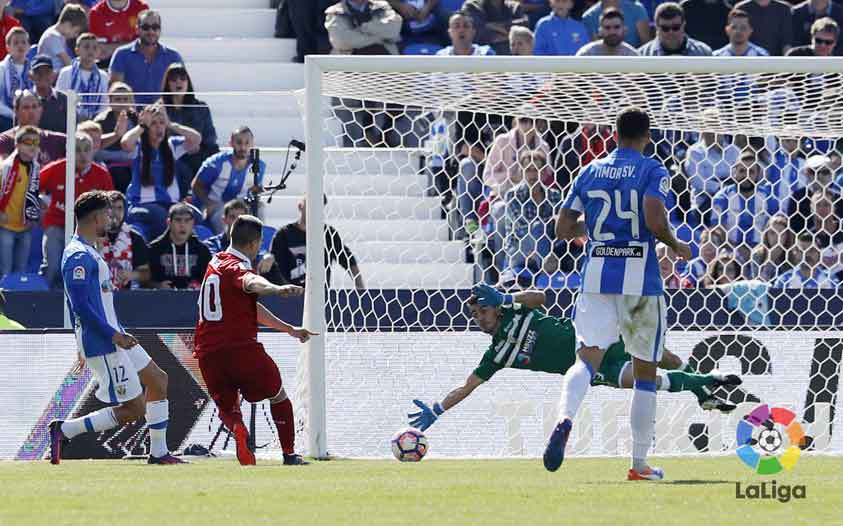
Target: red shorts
x,y
245,370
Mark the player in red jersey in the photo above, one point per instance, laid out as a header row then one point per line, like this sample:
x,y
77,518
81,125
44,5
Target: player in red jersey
x,y
231,359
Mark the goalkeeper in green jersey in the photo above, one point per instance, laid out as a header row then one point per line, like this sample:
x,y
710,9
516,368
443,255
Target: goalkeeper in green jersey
x,y
524,337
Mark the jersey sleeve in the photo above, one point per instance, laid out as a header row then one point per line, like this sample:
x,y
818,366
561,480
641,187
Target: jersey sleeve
x,y
658,182
208,172
118,61
79,278
47,176
487,366
237,274
573,200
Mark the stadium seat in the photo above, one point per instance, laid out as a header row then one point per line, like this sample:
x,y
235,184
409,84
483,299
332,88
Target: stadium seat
x,y
24,281
202,232
451,5
421,48
268,234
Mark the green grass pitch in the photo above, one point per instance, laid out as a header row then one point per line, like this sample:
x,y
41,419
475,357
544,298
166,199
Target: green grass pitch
x,y
433,492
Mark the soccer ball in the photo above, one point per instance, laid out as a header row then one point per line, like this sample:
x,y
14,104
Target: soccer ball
x,y
770,440
409,445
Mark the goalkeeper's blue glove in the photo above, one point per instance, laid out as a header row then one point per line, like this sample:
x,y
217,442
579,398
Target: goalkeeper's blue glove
x,y
426,417
490,297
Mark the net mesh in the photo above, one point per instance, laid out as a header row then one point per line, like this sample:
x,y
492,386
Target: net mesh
x,y
437,181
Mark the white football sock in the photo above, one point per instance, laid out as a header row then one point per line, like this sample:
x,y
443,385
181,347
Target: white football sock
x,y
642,416
157,415
96,421
662,382
574,387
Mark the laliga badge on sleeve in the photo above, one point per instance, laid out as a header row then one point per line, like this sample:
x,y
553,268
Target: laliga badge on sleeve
x,y
79,272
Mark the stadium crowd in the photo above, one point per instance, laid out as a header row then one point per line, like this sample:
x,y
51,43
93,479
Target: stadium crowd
x,y
755,208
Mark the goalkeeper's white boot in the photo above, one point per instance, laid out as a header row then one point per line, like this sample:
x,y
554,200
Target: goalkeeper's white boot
x,y
646,474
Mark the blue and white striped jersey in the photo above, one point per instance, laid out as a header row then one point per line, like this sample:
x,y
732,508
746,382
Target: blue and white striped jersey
x,y
621,255
744,218
222,182
796,279
89,293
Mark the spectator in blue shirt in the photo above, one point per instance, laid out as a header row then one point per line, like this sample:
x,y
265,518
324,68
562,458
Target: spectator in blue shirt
x,y
739,31
155,182
807,271
635,18
142,63
744,207
226,176
184,108
35,16
557,33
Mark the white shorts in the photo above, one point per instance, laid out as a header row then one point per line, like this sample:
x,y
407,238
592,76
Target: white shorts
x,y
601,319
117,374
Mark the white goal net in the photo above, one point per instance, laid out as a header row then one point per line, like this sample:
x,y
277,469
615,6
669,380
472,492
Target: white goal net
x,y
440,173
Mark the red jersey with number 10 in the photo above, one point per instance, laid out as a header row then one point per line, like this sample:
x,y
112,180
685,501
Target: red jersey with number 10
x,y
227,313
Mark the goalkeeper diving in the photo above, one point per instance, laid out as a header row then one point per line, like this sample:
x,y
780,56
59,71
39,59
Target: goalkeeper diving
x,y
525,337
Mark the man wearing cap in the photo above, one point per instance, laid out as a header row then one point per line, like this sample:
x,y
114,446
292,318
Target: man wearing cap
x,y
28,110
53,102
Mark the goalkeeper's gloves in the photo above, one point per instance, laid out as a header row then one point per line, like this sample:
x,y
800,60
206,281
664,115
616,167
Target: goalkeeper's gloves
x,y
425,418
490,297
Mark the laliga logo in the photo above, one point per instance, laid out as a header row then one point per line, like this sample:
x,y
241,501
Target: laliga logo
x,y
768,442
778,437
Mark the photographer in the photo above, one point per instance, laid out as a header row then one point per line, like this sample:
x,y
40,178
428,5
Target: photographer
x,y
228,175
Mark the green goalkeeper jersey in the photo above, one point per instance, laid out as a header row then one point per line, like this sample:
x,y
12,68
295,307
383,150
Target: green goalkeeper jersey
x,y
531,339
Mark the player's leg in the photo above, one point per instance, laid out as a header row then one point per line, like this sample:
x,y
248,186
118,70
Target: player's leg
x,y
594,318
643,328
670,381
157,405
282,414
259,379
223,391
672,362
118,384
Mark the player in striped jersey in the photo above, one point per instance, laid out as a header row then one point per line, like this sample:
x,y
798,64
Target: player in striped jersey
x,y
524,337
621,198
121,366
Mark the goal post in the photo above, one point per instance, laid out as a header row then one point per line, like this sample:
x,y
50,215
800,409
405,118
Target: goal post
x,y
407,335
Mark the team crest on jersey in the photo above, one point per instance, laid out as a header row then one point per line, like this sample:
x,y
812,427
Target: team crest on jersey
x,y
664,185
120,390
79,272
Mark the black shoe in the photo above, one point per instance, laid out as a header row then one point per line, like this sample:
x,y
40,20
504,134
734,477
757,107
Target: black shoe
x,y
294,460
57,440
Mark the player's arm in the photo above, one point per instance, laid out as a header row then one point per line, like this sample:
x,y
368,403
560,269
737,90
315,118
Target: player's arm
x,y
568,224
655,216
532,299
77,286
267,319
655,213
490,297
257,284
427,415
